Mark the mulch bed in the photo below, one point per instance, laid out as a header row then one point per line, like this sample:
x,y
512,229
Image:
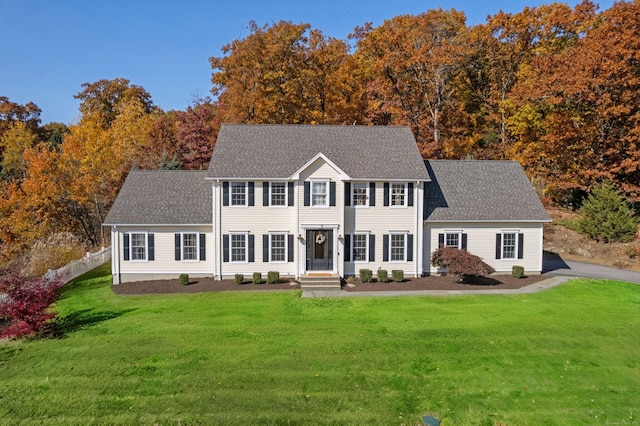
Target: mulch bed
x,y
199,285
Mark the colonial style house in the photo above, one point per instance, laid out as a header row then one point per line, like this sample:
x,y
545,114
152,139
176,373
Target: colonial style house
x,y
313,200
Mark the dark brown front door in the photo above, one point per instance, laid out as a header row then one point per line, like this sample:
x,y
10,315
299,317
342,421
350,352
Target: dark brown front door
x,y
319,250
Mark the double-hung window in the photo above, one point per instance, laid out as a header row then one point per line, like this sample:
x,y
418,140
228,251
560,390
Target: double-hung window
x,y
238,247
398,194
138,246
238,193
278,194
278,248
452,239
398,247
320,193
509,245
360,194
360,249
189,246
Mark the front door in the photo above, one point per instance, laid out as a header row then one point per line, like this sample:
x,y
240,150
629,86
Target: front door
x,y
319,250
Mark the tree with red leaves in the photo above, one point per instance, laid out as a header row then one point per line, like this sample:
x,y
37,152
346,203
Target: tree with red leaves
x,y
460,262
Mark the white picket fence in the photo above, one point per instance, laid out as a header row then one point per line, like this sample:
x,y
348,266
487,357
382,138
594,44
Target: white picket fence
x,y
78,267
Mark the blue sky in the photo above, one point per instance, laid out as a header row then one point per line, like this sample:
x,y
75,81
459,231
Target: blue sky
x,y
51,47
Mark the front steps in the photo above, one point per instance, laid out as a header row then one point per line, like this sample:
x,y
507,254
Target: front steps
x,y
315,283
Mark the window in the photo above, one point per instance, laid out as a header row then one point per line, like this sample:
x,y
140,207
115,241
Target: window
x,y
509,245
398,194
397,247
190,246
238,193
452,239
360,194
360,247
319,193
278,194
238,247
139,246
278,250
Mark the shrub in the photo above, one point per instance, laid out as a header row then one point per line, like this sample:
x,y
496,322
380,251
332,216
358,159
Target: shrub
x,y
517,272
606,216
273,277
239,278
27,304
382,275
366,275
257,278
184,279
397,275
460,262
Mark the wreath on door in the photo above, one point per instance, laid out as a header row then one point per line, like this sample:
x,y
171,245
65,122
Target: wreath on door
x,y
320,238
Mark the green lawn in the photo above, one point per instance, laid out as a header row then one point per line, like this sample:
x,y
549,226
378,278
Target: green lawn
x,y
566,356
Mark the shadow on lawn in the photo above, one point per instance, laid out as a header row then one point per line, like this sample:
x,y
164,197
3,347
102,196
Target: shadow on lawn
x,y
61,326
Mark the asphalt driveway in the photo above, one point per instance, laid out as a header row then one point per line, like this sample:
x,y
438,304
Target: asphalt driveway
x,y
553,264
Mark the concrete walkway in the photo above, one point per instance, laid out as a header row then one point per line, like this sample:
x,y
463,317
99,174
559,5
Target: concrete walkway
x,y
557,269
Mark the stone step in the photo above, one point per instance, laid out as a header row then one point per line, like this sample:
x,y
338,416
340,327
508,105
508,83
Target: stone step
x,y
320,282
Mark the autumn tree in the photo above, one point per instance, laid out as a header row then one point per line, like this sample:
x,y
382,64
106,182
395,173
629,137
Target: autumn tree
x,y
197,129
13,143
11,112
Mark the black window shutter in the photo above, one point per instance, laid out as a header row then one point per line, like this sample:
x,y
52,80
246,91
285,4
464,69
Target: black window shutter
x,y
372,194
252,194
265,248
203,247
307,193
386,194
410,194
125,246
440,240
347,248
332,193
498,246
347,193
225,248
290,194
372,248
520,246
464,241
410,248
178,240
290,248
151,254
252,248
225,193
385,248
265,194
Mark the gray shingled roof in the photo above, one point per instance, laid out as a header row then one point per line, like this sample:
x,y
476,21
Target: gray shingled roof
x,y
278,151
480,191
169,197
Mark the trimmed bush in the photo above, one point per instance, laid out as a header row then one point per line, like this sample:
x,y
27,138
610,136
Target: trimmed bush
x,y
366,275
184,279
517,272
397,275
257,278
273,277
239,278
382,275
460,262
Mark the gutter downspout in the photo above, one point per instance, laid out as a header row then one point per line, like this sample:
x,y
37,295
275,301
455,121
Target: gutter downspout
x,y
296,203
419,235
115,254
219,229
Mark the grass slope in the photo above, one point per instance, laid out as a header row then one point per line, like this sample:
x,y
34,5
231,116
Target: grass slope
x,y
565,356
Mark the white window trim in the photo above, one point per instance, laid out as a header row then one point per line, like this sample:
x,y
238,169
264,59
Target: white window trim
x,y
366,248
246,247
353,189
146,246
286,195
406,195
286,247
182,259
246,194
328,195
459,238
404,255
515,247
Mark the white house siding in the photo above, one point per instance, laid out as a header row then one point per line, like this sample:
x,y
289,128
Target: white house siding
x,y
164,265
481,241
380,220
257,220
328,217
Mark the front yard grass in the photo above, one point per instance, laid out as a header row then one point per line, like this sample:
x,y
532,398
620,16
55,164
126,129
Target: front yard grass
x,y
565,356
